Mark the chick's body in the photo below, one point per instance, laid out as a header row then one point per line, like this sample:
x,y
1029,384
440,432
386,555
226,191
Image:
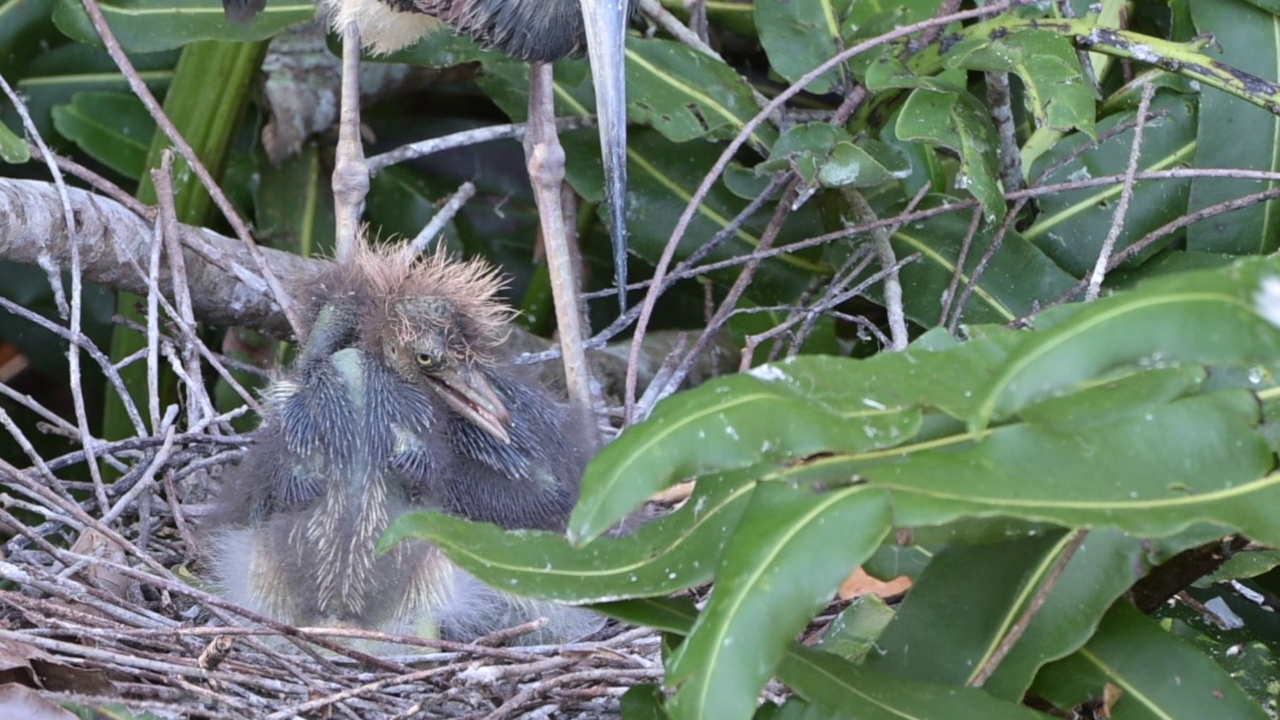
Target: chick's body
x,y
396,403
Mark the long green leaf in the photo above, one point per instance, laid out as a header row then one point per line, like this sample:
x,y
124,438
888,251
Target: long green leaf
x,y
676,552
767,587
149,25
837,684
1197,318
1199,459
998,582
1160,677
780,413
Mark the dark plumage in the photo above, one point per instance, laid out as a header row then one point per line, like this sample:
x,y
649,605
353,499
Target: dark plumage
x,y
397,402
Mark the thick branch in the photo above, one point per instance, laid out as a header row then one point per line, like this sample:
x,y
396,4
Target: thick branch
x,y
115,247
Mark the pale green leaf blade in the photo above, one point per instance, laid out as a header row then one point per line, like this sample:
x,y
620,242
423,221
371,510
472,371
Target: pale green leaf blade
x,y
800,35
113,128
767,588
734,422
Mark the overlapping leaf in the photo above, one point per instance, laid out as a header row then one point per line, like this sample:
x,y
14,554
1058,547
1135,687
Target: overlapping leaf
x,y
148,25
767,589
1158,675
670,554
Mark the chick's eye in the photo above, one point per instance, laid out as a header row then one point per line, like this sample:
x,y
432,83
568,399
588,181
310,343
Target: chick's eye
x,y
425,361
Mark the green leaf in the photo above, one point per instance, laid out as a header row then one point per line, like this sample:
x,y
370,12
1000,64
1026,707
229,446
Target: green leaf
x,y
642,702
800,35
997,583
293,203
825,155
1199,459
113,128
673,553
685,94
149,25
954,119
1160,676
1116,398
1015,282
1057,92
780,413
1073,224
663,177
835,683
767,588
1233,133
853,634
734,423
13,149
1193,318
55,76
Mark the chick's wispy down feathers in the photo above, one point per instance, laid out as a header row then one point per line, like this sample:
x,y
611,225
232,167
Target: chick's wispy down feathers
x,y
398,401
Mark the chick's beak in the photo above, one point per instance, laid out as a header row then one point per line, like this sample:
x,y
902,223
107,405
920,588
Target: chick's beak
x,y
471,395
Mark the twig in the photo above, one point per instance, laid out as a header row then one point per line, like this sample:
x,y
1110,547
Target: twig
x,y
989,667
433,229
1126,195
140,90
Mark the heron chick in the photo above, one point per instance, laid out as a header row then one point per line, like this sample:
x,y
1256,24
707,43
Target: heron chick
x,y
398,401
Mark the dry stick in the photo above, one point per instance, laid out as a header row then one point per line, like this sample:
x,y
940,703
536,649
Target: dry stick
x,y
512,707
682,225
965,246
1165,230
1001,105
199,405
465,192
465,138
77,297
726,308
863,211
161,576
1126,195
153,302
1042,594
140,90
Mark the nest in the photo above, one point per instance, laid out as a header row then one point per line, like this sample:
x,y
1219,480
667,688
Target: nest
x,y
120,616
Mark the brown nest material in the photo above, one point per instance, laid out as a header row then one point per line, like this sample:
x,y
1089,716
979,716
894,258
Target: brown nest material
x,y
119,618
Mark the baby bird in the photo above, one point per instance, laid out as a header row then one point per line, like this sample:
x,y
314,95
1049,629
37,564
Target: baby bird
x,y
398,402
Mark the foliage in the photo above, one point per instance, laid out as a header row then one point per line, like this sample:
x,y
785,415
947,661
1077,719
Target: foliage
x,y
1048,462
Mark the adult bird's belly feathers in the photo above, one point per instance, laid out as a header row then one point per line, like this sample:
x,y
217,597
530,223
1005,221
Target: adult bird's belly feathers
x,y
397,402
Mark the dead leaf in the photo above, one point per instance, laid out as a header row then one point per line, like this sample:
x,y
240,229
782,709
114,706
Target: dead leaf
x,y
860,583
20,701
95,544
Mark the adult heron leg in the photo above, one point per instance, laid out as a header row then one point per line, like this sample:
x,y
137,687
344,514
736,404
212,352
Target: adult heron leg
x,y
545,158
350,172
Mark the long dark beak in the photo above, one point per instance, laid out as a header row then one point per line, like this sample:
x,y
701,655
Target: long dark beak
x,y
606,22
471,395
